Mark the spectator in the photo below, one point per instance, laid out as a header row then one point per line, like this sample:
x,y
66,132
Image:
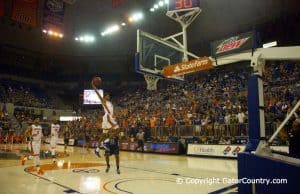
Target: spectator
x,y
294,135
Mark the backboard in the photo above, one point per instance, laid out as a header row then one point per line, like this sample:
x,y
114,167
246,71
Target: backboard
x,y
154,53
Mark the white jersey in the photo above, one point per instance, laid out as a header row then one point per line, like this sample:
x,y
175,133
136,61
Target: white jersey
x,y
110,108
108,120
55,130
36,132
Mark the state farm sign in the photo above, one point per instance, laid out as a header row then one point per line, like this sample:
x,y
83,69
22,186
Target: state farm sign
x,y
183,68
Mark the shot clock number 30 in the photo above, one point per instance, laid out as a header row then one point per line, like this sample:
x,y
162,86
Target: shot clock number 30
x,y
177,5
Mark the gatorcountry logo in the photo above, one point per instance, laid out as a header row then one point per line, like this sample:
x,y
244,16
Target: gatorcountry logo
x,y
231,44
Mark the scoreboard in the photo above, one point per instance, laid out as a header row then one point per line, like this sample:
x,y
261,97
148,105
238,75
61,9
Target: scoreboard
x,y
178,5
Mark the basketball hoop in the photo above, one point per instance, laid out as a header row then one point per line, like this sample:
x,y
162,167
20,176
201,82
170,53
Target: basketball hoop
x,y
151,81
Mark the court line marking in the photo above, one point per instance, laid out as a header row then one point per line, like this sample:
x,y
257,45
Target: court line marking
x,y
104,186
166,173
137,179
56,183
224,189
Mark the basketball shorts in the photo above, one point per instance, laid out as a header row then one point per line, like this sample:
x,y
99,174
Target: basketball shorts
x,y
109,123
111,147
53,142
36,147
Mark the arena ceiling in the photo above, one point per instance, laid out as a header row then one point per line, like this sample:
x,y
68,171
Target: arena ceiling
x,y
217,20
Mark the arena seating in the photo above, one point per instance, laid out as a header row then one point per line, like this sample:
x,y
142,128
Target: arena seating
x,y
207,105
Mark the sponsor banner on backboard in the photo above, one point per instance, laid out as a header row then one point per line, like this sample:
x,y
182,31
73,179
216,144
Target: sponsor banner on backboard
x,y
233,44
183,68
25,11
1,7
53,18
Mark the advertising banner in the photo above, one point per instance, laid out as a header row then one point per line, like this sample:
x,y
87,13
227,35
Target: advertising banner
x,y
2,7
234,44
229,151
53,17
25,11
167,148
192,66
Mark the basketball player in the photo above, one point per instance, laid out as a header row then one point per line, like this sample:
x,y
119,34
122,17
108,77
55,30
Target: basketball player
x,y
55,127
36,137
28,138
66,138
110,144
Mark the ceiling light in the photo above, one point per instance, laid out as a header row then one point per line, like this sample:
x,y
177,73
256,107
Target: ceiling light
x,y
111,29
270,44
161,3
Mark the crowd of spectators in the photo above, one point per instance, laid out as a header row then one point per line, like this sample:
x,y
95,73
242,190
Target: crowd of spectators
x,y
24,94
211,105
213,102
7,136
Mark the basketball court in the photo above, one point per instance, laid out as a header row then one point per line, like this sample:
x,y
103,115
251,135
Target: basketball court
x,y
140,173
81,171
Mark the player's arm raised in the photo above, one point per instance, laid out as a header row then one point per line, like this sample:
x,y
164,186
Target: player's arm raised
x,y
103,101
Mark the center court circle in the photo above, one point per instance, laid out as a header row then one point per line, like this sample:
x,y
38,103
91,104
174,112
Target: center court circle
x,y
85,170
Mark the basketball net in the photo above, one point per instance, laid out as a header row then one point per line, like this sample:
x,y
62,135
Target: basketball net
x,y
151,81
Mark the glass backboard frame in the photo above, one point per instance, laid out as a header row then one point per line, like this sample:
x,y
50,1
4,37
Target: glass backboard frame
x,y
142,68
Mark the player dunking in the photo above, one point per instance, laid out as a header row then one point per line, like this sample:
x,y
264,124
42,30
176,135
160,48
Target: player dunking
x,y
111,143
55,127
36,137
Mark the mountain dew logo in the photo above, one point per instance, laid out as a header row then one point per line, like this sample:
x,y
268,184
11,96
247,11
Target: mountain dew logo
x,y
236,150
227,150
231,44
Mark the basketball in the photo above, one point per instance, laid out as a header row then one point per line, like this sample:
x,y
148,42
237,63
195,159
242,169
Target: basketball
x,y
97,81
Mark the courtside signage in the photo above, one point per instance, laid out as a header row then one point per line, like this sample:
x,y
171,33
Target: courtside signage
x,y
183,68
227,151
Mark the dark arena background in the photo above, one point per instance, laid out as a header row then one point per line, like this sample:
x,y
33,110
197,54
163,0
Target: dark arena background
x,y
204,96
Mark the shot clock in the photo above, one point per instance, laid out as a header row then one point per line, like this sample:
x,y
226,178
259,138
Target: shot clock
x,y
180,5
